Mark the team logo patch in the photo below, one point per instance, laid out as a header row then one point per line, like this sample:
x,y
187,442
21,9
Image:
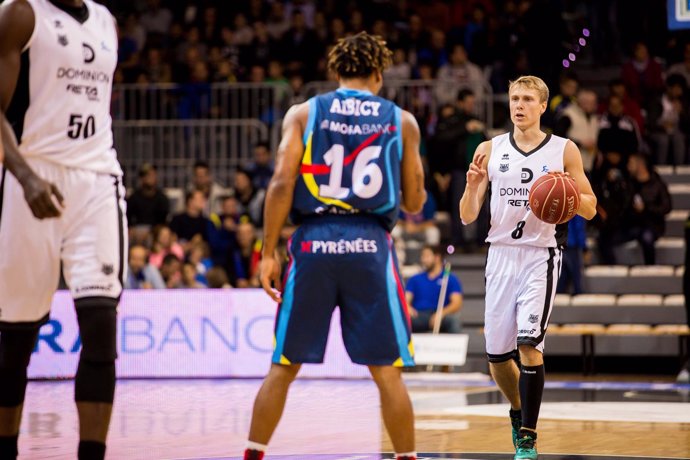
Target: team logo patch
x,y
107,269
358,246
533,319
545,169
89,53
503,167
62,39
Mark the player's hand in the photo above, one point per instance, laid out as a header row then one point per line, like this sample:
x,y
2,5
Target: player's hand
x,y
43,197
476,173
413,311
269,272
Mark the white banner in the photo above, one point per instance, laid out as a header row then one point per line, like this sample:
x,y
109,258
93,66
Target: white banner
x,y
184,333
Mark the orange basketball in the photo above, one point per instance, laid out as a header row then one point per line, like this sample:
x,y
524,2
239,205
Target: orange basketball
x,y
554,198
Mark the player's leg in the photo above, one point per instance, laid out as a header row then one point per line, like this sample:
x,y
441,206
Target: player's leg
x,y
500,328
94,263
535,303
301,332
396,408
16,346
376,328
268,407
29,272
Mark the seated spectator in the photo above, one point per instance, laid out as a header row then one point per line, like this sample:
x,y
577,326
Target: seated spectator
x,y
458,74
420,226
630,106
579,122
142,274
189,278
682,68
217,278
574,257
612,187
202,180
198,257
669,123
643,76
171,271
191,224
618,132
567,91
250,198
147,206
651,202
164,243
684,374
221,233
423,291
243,267
261,169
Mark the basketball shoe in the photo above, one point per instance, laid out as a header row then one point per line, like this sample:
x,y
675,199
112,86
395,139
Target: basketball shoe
x,y
251,454
516,424
526,446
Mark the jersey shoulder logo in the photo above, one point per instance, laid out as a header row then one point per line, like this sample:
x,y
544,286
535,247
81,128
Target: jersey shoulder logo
x,y
506,156
62,39
503,167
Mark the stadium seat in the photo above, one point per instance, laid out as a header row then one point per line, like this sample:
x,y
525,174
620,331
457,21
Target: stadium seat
x,y
674,300
680,193
587,300
562,300
675,223
640,300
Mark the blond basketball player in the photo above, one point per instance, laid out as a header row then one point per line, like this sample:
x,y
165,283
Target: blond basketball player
x,y
61,201
524,258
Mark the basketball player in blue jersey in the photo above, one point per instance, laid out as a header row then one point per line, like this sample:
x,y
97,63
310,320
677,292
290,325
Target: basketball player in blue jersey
x,y
524,257
61,202
343,160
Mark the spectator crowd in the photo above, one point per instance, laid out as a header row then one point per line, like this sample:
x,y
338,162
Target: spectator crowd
x,y
469,50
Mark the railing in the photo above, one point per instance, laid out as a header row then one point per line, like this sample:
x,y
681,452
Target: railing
x,y
173,145
172,125
265,101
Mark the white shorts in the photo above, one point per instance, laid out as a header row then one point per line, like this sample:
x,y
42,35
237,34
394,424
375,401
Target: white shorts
x,y
89,239
520,288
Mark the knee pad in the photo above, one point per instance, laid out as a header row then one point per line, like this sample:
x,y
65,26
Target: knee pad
x,y
95,379
497,359
16,346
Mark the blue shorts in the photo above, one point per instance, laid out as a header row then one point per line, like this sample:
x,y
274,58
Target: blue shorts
x,y
349,262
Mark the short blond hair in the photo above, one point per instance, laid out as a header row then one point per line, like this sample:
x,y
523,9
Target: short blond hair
x,y
532,82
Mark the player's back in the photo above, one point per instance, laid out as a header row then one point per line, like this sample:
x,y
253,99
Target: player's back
x,y
60,110
351,162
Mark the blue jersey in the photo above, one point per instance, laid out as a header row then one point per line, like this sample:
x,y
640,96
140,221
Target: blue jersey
x,y
351,161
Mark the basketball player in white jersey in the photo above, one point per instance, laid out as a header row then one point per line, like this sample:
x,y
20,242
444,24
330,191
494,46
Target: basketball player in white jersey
x,y
61,201
524,259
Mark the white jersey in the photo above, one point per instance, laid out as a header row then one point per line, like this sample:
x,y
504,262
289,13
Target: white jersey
x,y
60,110
511,175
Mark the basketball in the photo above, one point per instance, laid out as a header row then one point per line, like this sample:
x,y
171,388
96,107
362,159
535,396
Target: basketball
x,y
554,198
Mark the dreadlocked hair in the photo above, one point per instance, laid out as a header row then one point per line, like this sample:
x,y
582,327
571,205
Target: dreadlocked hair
x,y
358,56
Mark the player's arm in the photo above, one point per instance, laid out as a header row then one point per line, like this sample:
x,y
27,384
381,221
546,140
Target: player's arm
x,y
409,297
16,26
454,304
572,163
477,183
412,183
279,194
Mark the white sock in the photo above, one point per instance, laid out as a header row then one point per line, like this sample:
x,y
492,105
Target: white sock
x,y
406,454
256,446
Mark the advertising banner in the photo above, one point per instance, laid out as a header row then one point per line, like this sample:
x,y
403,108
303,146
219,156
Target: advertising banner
x,y
184,334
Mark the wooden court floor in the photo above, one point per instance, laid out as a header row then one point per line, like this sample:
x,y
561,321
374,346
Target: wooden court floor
x,y
456,417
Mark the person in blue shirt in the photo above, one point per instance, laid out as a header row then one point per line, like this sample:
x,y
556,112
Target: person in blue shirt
x,y
573,257
424,289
